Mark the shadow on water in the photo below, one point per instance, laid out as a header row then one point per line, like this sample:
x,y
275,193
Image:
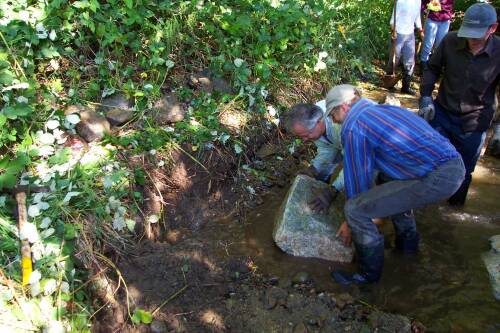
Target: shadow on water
x,y
446,286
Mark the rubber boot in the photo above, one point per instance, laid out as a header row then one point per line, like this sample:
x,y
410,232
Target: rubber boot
x,y
370,262
406,89
408,244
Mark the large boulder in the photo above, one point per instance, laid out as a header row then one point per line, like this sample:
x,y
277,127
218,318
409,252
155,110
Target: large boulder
x,y
300,232
492,261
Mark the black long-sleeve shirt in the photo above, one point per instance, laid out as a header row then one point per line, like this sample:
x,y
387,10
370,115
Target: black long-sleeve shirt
x,y
469,82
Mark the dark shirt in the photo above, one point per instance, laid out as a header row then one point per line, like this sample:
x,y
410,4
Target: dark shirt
x,y
469,83
445,14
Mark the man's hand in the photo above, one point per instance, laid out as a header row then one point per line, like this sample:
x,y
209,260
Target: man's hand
x,y
394,34
309,171
421,34
323,200
426,108
345,233
494,143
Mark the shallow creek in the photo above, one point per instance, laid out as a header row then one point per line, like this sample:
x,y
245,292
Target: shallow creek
x,y
446,286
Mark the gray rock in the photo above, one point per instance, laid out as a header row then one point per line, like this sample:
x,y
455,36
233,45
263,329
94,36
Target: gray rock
x,y
158,326
491,260
117,109
207,82
92,126
168,110
300,232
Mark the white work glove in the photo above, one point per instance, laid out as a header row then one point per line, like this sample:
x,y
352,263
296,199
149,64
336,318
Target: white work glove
x,y
426,108
494,143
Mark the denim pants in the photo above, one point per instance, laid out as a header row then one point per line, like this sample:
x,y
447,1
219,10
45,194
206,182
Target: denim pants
x,y
397,198
405,52
434,32
468,144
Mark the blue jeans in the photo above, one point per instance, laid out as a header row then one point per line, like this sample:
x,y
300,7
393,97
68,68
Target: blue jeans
x,y
434,32
397,198
468,144
405,52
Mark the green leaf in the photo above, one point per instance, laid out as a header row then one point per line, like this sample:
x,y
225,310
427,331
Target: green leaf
x,y
129,3
141,316
6,77
17,110
49,52
61,156
7,180
69,232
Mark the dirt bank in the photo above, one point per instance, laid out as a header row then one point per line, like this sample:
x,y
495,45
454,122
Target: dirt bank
x,y
190,284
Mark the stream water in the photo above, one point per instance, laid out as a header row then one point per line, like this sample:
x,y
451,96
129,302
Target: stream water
x,y
446,286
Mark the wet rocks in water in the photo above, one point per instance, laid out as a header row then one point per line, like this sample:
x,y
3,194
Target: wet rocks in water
x,y
300,232
492,261
168,110
117,109
92,126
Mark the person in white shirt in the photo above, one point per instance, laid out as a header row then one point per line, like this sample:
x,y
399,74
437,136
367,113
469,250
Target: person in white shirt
x,y
407,19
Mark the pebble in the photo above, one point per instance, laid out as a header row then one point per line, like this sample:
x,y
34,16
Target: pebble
x,y
300,278
158,326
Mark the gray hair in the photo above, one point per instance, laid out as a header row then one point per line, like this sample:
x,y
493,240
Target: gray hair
x,y
304,114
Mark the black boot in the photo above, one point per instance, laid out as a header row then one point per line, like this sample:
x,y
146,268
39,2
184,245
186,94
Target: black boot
x,y
408,244
406,89
370,262
458,199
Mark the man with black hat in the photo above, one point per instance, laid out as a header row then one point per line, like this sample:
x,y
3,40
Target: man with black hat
x,y
469,62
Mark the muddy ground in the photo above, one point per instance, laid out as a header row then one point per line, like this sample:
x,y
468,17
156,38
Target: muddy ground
x,y
183,277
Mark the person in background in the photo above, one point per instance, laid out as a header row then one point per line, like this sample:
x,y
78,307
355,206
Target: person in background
x,y
468,63
416,167
437,24
307,121
407,19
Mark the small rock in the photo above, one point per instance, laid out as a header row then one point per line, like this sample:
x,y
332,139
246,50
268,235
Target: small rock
x,y
158,326
205,81
221,86
274,280
118,117
92,126
343,300
168,110
266,150
391,99
274,296
117,109
300,328
300,277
